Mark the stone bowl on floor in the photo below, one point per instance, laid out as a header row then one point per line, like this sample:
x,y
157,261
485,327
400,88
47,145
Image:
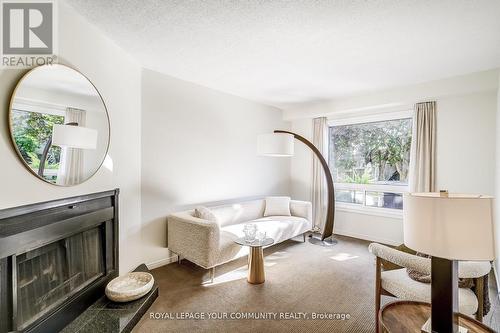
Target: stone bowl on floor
x,y
129,287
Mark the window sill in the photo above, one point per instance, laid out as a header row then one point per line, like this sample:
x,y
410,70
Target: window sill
x,y
373,211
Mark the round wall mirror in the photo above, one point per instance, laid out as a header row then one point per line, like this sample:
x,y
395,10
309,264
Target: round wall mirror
x,y
59,125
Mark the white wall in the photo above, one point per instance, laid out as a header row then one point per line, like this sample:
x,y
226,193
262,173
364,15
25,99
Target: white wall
x,y
465,142
199,146
400,98
118,78
96,120
465,160
301,163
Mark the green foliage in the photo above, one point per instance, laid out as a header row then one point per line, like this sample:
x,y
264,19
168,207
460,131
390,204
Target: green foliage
x,y
35,162
365,178
32,130
383,147
26,145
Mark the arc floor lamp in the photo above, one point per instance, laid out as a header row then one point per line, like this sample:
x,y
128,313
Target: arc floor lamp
x,y
281,143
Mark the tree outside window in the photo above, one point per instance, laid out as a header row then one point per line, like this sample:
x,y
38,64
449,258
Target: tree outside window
x,y
32,131
374,153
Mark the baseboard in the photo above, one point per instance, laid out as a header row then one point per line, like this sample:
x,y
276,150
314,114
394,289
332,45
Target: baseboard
x,y
162,262
367,237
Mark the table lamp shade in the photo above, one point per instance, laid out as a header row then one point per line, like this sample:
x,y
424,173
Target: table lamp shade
x,y
275,144
452,226
74,137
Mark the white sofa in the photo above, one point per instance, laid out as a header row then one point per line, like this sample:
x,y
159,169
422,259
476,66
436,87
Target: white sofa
x,y
208,244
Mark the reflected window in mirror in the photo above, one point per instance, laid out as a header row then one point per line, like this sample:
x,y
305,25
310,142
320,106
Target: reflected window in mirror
x,y
59,125
32,131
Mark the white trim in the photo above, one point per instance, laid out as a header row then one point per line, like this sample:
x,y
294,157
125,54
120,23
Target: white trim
x,y
367,210
367,237
386,116
31,105
162,262
403,188
361,208
35,105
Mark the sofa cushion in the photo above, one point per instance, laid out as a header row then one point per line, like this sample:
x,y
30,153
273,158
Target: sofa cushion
x,y
239,212
204,213
280,228
398,283
276,206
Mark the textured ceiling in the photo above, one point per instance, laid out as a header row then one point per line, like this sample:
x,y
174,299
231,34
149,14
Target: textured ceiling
x,y
287,52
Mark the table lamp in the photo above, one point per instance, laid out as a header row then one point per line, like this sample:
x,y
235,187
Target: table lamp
x,y
281,143
449,227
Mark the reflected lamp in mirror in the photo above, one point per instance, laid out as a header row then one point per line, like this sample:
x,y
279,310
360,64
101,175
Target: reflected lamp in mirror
x,y
71,136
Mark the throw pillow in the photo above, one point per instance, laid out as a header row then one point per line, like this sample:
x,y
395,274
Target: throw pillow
x,y
277,206
204,213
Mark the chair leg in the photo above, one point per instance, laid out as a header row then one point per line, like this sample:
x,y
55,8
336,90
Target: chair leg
x,y
212,274
304,237
179,259
377,292
480,298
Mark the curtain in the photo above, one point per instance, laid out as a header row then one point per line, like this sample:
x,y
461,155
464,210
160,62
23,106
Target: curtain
x,y
70,170
319,187
423,148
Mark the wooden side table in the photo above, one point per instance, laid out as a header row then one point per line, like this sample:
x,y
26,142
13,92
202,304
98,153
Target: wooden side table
x,y
410,316
256,274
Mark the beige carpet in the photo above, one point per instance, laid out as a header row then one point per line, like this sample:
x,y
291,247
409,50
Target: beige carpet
x,y
300,278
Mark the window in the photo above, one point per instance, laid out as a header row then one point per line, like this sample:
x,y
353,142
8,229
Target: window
x,y
31,131
370,161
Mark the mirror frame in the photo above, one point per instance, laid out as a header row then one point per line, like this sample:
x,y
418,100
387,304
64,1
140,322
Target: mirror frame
x,y
11,132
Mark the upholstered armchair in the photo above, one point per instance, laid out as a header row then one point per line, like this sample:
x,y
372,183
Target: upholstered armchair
x,y
392,279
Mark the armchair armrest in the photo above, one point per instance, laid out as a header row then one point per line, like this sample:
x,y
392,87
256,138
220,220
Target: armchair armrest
x,y
403,259
473,269
301,209
466,269
194,239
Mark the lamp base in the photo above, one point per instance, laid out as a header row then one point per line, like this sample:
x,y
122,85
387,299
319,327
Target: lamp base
x,y
316,240
444,295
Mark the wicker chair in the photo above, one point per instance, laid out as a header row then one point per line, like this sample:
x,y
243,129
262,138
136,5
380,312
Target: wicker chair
x,y
393,280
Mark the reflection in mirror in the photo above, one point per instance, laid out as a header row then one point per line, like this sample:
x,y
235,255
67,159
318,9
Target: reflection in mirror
x,y
59,125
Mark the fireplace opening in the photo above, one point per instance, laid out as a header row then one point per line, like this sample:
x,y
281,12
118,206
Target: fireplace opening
x,y
56,258
48,275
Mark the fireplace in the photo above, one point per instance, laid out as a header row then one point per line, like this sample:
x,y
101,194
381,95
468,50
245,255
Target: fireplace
x,y
55,260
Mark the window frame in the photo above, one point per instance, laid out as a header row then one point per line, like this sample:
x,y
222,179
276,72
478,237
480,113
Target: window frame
x,y
398,189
